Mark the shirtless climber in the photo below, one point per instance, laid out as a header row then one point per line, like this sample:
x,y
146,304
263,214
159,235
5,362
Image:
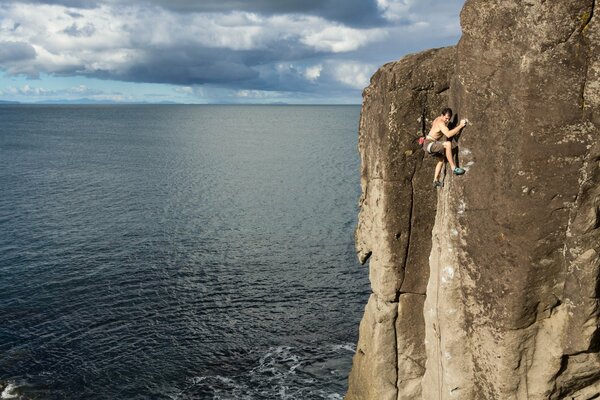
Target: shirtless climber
x,y
438,146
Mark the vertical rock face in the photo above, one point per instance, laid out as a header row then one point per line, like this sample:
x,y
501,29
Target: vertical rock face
x,y
500,300
395,222
512,302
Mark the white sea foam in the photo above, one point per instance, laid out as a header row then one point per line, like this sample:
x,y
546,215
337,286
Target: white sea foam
x,y
9,392
351,347
282,372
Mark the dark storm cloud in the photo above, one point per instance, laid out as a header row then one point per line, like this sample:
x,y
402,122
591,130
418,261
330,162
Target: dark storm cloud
x,y
205,43
67,3
159,70
202,65
16,51
349,12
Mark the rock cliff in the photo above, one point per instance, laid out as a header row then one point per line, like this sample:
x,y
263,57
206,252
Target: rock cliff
x,y
489,287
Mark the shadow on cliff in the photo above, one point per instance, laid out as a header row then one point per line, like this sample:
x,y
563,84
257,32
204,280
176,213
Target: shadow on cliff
x,y
456,139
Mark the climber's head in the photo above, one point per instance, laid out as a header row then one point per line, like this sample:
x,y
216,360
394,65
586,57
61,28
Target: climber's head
x,y
446,115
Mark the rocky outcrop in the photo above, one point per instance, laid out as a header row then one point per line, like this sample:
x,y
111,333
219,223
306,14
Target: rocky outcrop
x,y
397,215
490,291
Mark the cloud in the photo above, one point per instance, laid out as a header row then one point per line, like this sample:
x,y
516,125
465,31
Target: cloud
x,y
353,74
394,9
348,12
66,3
254,94
191,49
184,89
16,52
75,30
243,47
83,90
37,91
27,90
313,73
337,39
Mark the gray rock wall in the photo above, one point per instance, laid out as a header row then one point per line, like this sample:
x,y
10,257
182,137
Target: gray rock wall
x,y
395,222
499,300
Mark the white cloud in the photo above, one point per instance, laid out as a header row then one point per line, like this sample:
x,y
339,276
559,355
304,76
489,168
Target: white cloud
x,y
248,31
27,90
313,73
34,93
394,9
79,89
201,51
426,18
284,67
105,43
353,74
338,39
255,94
184,89
113,39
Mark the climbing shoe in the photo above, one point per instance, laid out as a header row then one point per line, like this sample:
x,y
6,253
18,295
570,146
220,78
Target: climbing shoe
x,y
437,184
458,171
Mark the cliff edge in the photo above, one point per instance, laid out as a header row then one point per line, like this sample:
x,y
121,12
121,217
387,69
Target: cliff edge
x,y
489,287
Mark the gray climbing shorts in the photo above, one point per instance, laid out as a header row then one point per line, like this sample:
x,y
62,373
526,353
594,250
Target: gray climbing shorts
x,y
435,147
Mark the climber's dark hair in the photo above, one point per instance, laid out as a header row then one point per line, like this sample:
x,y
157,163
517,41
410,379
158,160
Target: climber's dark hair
x,y
447,111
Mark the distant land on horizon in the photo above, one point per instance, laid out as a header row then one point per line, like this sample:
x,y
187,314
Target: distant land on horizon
x,y
85,101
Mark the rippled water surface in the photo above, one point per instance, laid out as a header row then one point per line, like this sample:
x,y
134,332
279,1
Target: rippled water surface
x,y
178,252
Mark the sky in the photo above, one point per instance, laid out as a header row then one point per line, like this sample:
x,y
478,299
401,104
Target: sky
x,y
211,51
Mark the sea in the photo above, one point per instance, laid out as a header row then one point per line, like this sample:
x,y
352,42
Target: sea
x,y
178,251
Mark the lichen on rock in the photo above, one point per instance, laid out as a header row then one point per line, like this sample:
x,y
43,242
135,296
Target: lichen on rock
x,y
490,285
395,222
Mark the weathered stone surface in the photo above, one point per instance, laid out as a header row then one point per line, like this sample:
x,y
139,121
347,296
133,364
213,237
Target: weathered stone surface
x,y
512,307
397,213
513,244
374,364
410,331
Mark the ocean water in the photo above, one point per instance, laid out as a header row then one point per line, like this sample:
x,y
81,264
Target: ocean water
x,y
178,252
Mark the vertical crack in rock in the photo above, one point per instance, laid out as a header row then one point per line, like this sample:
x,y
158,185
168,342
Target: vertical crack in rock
x,y
397,371
513,304
447,343
581,292
579,373
434,278
590,16
411,208
395,221
587,21
517,256
437,330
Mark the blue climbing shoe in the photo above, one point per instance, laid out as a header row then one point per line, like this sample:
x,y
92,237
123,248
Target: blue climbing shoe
x,y
437,184
458,171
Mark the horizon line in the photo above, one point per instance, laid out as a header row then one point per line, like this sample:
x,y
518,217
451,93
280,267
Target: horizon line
x,y
142,103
